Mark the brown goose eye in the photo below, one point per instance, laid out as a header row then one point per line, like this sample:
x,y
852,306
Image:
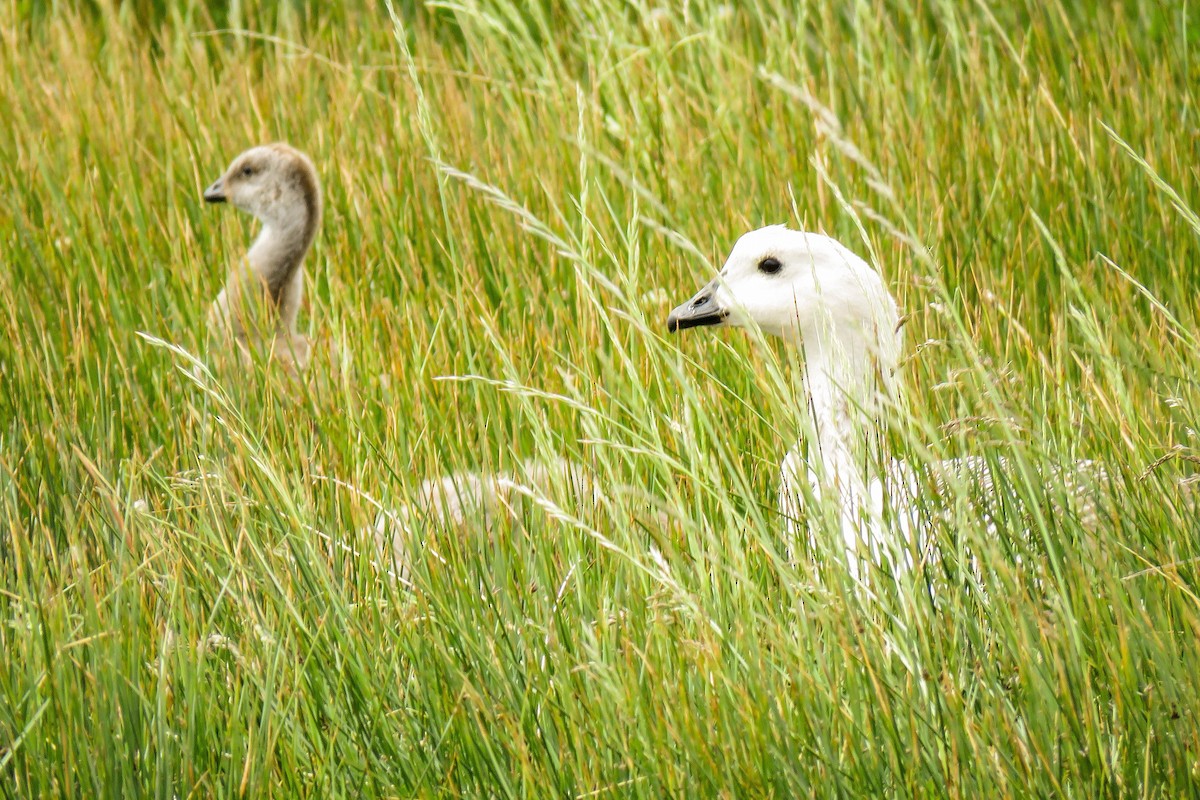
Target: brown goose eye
x,y
247,171
770,265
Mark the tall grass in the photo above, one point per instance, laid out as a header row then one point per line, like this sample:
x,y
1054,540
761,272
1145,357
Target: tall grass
x,y
193,601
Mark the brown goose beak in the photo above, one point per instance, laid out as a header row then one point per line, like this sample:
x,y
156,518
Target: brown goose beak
x,y
216,192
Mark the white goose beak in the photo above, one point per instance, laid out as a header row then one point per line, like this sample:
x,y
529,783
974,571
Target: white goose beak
x,y
703,309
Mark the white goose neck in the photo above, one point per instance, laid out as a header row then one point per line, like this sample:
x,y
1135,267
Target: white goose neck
x,y
848,385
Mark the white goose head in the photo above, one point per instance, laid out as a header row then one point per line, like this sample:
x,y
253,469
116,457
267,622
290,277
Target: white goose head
x,y
808,289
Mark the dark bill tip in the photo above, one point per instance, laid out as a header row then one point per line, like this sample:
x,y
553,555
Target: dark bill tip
x,y
677,323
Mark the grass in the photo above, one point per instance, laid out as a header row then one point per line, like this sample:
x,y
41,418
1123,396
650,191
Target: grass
x,y
516,195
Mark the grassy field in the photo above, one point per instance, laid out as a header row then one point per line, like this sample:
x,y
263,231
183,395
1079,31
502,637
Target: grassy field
x,y
192,602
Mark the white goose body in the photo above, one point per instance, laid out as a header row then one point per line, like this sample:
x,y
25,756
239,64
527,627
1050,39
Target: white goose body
x,y
819,296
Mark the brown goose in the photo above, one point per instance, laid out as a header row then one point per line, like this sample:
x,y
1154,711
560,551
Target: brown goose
x,y
278,185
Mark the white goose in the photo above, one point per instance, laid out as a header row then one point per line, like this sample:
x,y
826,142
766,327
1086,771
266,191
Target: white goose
x,y
278,185
817,295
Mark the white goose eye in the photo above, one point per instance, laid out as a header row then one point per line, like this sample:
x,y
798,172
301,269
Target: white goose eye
x,y
770,265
